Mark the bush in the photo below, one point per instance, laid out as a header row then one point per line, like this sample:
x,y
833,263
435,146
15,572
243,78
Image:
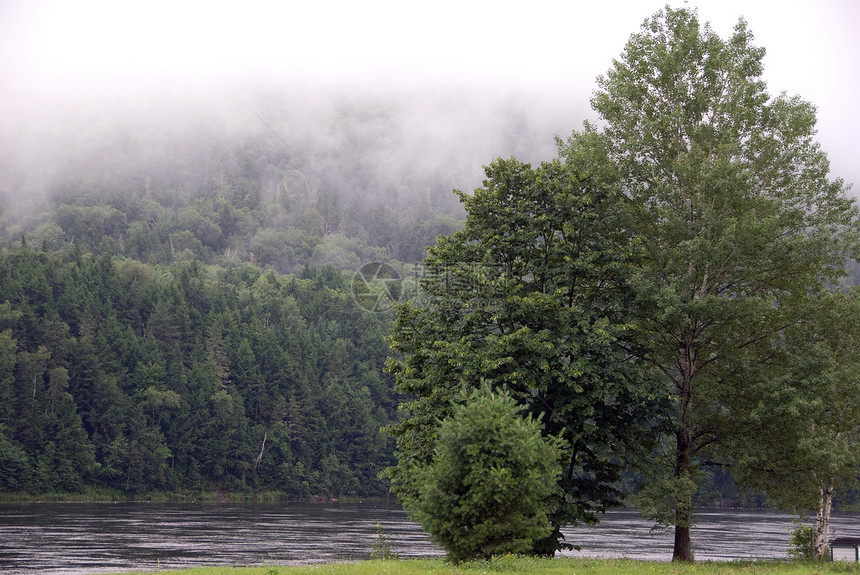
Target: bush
x,y
382,547
801,542
483,493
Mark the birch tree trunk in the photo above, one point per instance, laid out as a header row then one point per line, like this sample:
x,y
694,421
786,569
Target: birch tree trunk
x,y
821,543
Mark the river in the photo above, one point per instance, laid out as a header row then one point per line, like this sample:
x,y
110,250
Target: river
x,y
78,538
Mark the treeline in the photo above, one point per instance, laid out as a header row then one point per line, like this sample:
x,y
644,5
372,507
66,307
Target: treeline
x,y
175,310
127,376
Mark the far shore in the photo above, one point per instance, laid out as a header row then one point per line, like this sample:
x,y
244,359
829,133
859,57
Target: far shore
x,y
107,496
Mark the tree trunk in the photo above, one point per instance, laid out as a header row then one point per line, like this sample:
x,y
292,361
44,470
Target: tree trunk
x,y
821,543
683,550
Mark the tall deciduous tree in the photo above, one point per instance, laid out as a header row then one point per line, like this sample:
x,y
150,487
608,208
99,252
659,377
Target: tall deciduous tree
x,y
739,220
532,296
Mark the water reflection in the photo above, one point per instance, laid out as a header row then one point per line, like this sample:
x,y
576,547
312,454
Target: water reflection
x,y
93,538
77,538
719,535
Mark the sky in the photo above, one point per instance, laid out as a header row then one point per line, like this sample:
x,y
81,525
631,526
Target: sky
x,y
53,52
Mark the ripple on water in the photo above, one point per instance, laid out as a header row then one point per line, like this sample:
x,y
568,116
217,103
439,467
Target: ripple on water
x,y
71,539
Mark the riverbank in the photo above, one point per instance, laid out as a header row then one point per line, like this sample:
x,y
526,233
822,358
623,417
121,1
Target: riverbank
x,y
535,566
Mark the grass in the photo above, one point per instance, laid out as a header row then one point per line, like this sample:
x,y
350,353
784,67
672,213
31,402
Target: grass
x,y
536,566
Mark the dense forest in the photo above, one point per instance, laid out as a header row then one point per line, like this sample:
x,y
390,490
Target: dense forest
x,y
175,304
271,196
137,377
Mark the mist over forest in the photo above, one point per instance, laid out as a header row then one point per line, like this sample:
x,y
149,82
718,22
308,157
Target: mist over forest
x,y
176,312
351,163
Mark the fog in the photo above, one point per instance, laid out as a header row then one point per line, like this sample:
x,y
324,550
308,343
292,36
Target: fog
x,y
397,92
401,132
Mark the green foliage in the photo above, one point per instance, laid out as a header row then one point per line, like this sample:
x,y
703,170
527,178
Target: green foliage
x,y
382,547
801,542
533,297
660,500
800,432
122,375
15,465
796,435
738,221
483,493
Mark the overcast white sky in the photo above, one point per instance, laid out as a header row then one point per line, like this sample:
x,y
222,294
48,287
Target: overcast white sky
x,y
64,48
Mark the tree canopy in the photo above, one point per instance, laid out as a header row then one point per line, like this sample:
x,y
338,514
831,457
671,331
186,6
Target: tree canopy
x,y
531,297
134,378
738,219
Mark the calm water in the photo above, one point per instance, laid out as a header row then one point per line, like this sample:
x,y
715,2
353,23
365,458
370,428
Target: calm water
x,y
95,538
719,535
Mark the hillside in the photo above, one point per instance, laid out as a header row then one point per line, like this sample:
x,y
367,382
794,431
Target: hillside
x,y
176,311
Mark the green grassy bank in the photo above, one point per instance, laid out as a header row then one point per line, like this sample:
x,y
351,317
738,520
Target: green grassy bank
x,y
533,566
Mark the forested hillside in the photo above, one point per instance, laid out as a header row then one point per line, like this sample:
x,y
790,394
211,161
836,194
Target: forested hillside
x,y
175,303
139,377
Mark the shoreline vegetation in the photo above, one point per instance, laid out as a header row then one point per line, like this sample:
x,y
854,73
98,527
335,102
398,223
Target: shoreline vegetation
x,y
107,496
219,496
533,566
